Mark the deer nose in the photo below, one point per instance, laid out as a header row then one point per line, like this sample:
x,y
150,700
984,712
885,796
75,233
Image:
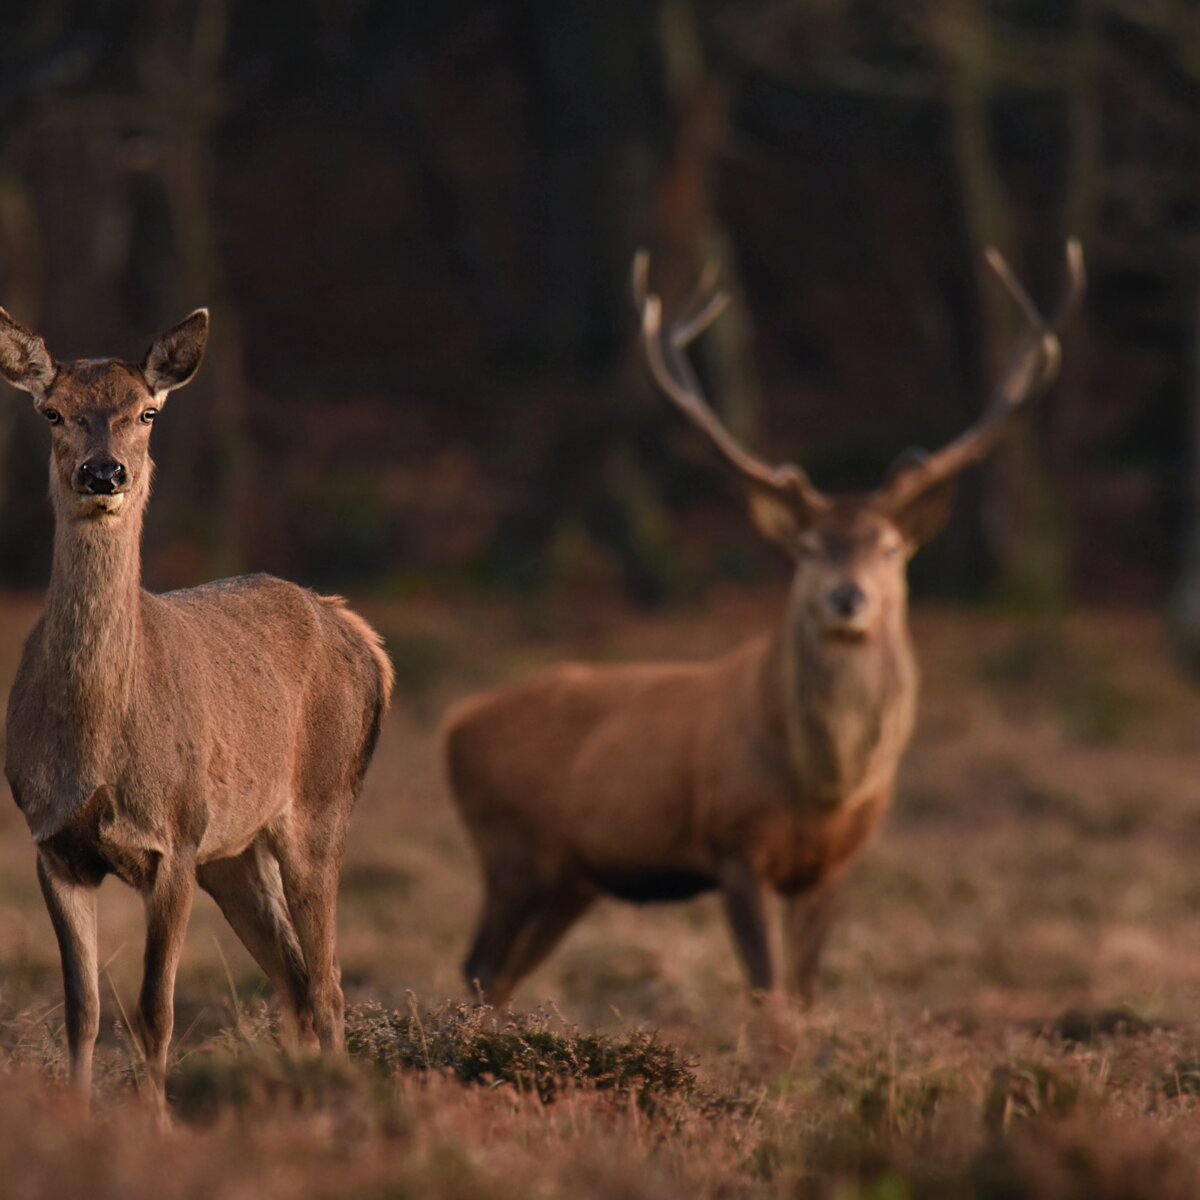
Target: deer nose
x,y
846,599
102,476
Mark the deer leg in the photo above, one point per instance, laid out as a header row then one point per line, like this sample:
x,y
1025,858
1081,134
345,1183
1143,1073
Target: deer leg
x,y
72,908
742,892
807,918
508,909
309,871
168,902
249,891
557,910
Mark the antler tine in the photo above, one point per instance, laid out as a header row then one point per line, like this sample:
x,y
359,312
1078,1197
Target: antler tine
x,y
701,309
1076,283
1034,367
672,372
1014,287
693,322
640,278
706,303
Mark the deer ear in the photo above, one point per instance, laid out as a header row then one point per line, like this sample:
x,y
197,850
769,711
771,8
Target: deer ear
x,y
176,355
776,520
924,517
24,360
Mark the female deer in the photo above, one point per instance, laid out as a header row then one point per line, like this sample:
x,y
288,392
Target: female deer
x,y
217,735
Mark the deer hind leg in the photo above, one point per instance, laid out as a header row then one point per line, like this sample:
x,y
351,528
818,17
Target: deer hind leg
x,y
168,902
309,864
72,908
742,894
509,905
517,946
249,891
807,918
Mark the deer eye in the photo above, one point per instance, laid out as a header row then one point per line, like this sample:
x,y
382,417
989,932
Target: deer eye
x,y
148,416
891,549
52,415
809,543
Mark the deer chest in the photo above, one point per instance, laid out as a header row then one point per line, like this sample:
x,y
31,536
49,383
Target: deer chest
x,y
793,852
95,843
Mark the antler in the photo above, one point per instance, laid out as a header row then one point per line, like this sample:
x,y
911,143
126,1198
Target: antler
x,y
1033,368
665,355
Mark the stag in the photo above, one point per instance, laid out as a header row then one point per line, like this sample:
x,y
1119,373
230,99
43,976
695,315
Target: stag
x,y
217,735
766,770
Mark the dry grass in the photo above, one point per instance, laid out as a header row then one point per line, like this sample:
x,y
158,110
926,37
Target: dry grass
x,y
1007,1006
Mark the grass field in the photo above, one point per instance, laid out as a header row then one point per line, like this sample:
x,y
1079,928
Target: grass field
x,y
1008,1004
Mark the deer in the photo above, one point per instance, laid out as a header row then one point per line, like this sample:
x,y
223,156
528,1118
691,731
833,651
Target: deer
x,y
764,771
217,735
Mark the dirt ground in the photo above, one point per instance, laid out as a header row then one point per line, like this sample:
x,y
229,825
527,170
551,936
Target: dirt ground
x,y
1007,1005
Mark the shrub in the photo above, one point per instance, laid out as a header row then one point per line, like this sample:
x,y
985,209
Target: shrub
x,y
477,1046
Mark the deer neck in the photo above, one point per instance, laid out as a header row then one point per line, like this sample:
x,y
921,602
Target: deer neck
x,y
93,621
843,710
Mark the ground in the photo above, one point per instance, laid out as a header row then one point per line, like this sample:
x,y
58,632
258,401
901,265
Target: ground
x,y
1008,1005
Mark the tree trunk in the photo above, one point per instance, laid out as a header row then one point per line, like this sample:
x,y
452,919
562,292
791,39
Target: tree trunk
x,y
220,463
1021,518
1185,604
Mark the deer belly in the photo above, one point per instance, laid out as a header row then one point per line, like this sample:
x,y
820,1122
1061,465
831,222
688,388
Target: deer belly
x,y
244,792
233,825
652,885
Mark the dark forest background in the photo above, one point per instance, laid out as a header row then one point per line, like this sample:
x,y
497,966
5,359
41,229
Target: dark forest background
x,y
413,224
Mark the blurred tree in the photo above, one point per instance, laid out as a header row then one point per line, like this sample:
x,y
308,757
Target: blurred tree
x,y
93,140
185,99
420,218
1000,80
994,64
595,109
18,251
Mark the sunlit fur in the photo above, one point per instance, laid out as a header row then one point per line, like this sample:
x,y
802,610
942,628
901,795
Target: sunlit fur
x,y
101,405
853,546
216,735
767,769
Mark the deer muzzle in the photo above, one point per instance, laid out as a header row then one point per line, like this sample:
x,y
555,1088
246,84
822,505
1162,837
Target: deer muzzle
x,y
100,485
101,477
847,611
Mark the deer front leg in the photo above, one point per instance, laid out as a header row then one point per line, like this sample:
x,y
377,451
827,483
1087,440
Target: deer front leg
x,y
168,902
742,893
807,918
72,908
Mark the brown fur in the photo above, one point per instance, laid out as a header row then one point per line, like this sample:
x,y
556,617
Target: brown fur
x,y
216,735
767,769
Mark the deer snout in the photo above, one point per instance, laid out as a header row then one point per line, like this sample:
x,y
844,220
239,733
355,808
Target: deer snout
x,y
101,476
846,601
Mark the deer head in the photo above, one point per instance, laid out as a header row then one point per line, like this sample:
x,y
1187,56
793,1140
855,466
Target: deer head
x,y
100,412
851,551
